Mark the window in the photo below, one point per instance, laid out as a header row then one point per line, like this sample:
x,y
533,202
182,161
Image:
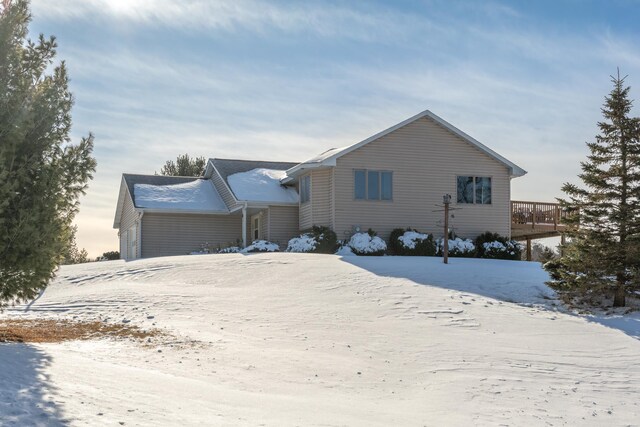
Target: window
x,y
373,185
474,190
361,184
305,189
385,187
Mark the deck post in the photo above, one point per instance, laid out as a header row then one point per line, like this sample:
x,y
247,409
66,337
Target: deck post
x,y
529,249
533,216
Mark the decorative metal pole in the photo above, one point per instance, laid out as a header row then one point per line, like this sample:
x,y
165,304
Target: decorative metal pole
x,y
446,199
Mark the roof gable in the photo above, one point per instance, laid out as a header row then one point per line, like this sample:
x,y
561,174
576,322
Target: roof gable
x,y
129,181
329,157
228,167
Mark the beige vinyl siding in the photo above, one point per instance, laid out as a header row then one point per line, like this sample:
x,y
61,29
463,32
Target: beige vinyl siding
x,y
224,192
425,160
282,224
127,220
180,234
305,210
321,197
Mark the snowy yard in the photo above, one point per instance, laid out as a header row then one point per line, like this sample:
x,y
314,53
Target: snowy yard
x,y
306,339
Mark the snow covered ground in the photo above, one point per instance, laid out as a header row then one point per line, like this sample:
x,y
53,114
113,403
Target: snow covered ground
x,y
307,339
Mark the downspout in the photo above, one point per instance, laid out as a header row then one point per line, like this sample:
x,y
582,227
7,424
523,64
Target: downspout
x,y
244,225
139,236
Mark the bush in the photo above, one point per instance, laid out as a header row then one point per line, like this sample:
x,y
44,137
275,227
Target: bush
x,y
458,247
304,243
493,246
319,240
367,244
261,246
111,255
326,238
230,250
411,242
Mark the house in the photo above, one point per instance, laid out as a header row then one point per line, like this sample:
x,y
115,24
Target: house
x,y
395,178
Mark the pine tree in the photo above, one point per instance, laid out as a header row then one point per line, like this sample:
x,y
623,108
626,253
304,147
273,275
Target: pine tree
x,y
71,254
184,166
42,174
604,221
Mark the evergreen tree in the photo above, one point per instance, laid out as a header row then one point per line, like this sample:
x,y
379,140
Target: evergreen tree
x,y
111,255
604,221
71,254
42,174
184,166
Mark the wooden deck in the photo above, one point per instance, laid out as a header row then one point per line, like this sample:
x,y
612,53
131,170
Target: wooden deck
x,y
536,220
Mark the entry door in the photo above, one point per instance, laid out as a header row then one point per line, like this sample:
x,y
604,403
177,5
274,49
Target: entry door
x,y
132,236
255,227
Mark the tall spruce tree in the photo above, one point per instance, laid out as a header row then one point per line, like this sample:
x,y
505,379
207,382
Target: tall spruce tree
x,y
184,166
42,174
603,255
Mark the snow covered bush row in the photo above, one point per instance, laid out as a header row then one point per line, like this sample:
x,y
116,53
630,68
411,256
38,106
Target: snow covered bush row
x,y
464,248
255,246
261,246
494,246
501,250
230,250
367,244
302,243
411,242
319,240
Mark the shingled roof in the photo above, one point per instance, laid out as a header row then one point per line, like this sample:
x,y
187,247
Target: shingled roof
x,y
132,179
228,167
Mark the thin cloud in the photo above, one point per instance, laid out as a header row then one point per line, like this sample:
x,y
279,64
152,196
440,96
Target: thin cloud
x,y
323,19
531,92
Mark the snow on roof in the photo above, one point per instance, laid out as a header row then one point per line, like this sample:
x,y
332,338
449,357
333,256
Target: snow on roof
x,y
197,195
262,185
325,155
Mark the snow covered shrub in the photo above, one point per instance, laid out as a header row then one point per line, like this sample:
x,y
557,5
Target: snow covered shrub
x,y
463,248
261,246
367,244
303,243
411,242
230,250
318,240
326,238
205,248
494,246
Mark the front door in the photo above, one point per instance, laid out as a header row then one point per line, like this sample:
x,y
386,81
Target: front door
x,y
255,227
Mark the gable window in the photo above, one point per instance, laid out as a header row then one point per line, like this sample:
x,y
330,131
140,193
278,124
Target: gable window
x,y
474,189
305,189
373,185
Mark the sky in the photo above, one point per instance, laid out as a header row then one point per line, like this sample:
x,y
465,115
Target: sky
x,y
286,80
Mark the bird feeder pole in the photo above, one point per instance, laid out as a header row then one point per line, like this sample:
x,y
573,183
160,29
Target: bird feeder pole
x,y
446,199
